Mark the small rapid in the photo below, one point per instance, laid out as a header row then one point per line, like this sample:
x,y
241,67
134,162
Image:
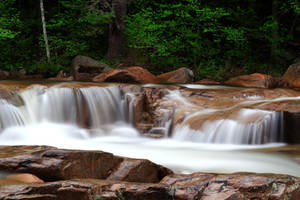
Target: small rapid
x,y
101,118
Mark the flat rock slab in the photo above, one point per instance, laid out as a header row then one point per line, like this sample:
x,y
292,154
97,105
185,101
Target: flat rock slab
x,y
52,164
197,186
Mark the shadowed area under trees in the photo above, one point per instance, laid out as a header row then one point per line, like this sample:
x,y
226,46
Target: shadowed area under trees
x,y
216,39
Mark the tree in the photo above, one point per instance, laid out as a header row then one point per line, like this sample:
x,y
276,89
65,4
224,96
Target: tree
x,y
45,31
117,30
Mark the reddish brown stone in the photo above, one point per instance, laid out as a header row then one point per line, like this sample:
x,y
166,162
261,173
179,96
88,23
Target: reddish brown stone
x,y
49,163
292,75
181,75
207,82
127,75
180,187
253,80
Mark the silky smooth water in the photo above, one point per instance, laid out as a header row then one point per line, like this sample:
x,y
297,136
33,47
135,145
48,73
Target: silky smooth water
x,y
100,118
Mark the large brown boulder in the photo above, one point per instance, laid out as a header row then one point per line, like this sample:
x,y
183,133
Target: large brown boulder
x,y
292,75
85,68
50,164
253,80
133,74
202,186
181,75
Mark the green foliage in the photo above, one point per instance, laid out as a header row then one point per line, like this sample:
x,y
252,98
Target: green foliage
x,y
213,37
73,27
9,20
186,33
210,36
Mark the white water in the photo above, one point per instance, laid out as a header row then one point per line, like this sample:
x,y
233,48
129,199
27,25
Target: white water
x,y
50,116
264,127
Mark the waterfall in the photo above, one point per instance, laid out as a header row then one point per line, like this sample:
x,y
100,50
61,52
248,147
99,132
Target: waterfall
x,y
91,107
10,115
100,118
101,109
251,126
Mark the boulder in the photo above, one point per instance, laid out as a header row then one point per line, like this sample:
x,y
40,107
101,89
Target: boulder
x,y
292,75
51,164
181,75
85,68
202,186
4,75
253,80
133,74
233,186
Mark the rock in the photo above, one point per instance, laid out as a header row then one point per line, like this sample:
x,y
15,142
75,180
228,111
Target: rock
x,y
51,164
233,186
292,127
133,74
62,76
181,75
20,178
88,189
292,75
85,68
207,82
4,75
253,80
180,187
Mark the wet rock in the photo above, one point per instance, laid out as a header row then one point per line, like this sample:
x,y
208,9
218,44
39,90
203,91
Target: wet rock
x,y
85,68
133,74
179,187
11,97
233,186
207,82
50,164
20,178
292,75
88,189
181,75
253,80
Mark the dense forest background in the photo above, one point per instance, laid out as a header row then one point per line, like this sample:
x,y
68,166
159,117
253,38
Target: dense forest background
x,y
215,38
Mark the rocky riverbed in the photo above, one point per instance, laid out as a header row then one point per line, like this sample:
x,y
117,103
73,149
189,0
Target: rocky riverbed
x,y
156,111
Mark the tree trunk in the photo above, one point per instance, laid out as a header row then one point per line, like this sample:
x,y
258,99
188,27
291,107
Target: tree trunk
x,y
117,30
45,31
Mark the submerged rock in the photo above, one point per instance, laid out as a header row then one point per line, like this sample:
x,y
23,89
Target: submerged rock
x,y
181,75
253,80
51,164
133,74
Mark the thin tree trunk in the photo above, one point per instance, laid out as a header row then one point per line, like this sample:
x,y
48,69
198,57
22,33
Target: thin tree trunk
x,y
117,30
45,31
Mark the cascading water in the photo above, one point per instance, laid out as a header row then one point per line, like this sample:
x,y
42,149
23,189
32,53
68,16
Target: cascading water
x,y
100,118
100,106
251,127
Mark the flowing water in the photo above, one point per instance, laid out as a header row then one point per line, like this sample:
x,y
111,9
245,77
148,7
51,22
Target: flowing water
x,y
100,118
